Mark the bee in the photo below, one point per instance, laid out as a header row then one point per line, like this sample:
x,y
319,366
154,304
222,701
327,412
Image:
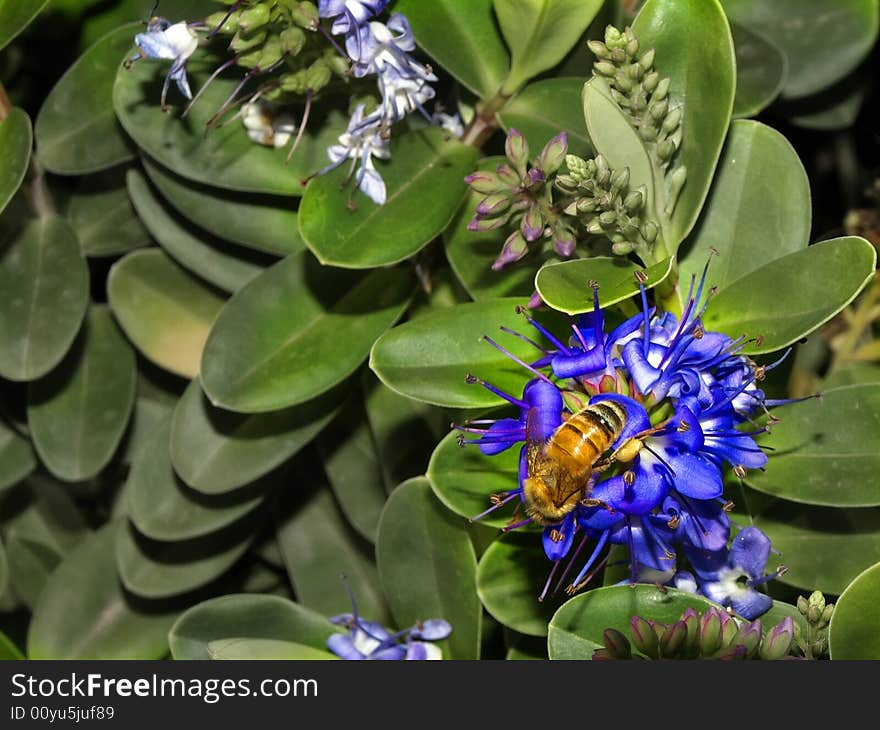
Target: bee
x,y
561,468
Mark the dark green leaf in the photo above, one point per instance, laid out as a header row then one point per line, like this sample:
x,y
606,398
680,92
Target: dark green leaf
x,y
266,649
802,280
16,139
853,374
296,331
426,174
246,616
224,265
758,209
215,451
761,69
263,222
428,567
78,413
83,612
45,285
165,311
462,38
8,650
16,456
852,635
16,15
576,628
76,128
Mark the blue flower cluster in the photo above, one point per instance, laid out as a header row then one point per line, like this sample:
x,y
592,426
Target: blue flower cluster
x,y
176,42
370,640
687,394
383,50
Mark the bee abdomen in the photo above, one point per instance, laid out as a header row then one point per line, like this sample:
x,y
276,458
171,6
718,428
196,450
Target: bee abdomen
x,y
579,442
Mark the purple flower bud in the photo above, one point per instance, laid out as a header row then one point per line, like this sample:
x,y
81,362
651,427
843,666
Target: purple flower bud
x,y
493,204
644,637
617,644
673,639
515,247
517,150
553,154
536,176
734,652
532,225
750,637
564,241
777,643
507,176
535,301
710,632
729,629
484,181
487,224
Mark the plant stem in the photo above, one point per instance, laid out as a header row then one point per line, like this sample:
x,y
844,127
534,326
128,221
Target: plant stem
x,y
485,122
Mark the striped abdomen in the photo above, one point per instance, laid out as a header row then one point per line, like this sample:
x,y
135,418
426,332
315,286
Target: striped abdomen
x,y
579,442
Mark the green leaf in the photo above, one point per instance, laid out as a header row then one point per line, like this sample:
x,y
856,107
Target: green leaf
x,y
463,38
540,33
825,450
761,69
296,331
852,635
750,304
224,157
853,374
45,285
165,311
835,108
78,413
147,416
352,466
426,173
699,62
319,546
576,628
262,222
778,612
464,478
8,650
428,567
224,265
76,128
564,285
822,41
544,109
16,139
16,15
758,209
246,616
215,451
158,570
101,214
17,458
83,613
823,548
428,358
266,649
163,508
509,580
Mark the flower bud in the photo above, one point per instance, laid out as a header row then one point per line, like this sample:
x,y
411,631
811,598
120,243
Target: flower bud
x,y
594,227
616,644
665,150
777,643
658,109
618,56
603,172
673,639
750,637
632,48
816,603
802,605
635,73
673,119
620,179
532,225
644,637
242,42
292,40
827,614
623,82
586,205
649,231
647,59
612,36
649,83
599,49
484,181
493,204
634,202
517,150
622,248
229,27
515,247
253,17
662,90
305,15
488,224
508,176
608,218
710,632
733,652
604,68
564,241
577,166
553,154
729,630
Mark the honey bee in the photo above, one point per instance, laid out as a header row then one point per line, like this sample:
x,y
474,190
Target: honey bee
x,y
560,468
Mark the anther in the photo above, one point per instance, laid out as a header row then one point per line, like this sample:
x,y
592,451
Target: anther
x,y
641,276
728,506
471,379
629,478
683,427
497,498
740,471
781,570
760,373
699,332
759,340
593,284
674,522
713,251
461,441
556,536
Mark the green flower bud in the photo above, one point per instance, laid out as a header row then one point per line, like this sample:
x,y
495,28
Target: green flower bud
x,y
622,248
632,48
622,100
633,202
318,75
599,50
612,36
620,179
253,17
570,208
665,150
304,14
710,632
673,639
594,227
644,637
658,109
603,172
816,602
635,72
802,605
673,119
649,83
604,68
229,27
647,59
623,82
677,179
553,154
827,614
729,630
586,205
662,90
484,181
292,40
649,231
616,644
243,42
577,166
777,643
750,637
608,218
618,56
649,134
517,150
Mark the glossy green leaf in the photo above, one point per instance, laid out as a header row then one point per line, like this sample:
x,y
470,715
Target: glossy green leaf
x,y
83,612
823,41
215,451
428,358
262,222
576,628
157,570
224,157
758,209
540,33
464,478
825,450
262,352
822,547
265,649
319,546
16,140
101,214
426,173
463,38
352,467
852,635
544,109
224,265
853,374
702,71
246,616
565,285
16,15
750,304
45,285
165,311
428,567
510,576
163,508
146,417
17,458
78,413
76,128
761,69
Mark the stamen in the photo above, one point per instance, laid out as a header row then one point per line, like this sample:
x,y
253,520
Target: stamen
x,y
522,363
549,580
600,544
728,506
515,525
740,471
225,105
508,331
471,379
302,126
543,330
497,501
571,561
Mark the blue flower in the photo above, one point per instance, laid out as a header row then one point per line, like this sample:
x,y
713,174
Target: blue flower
x,y
349,14
175,42
363,140
372,641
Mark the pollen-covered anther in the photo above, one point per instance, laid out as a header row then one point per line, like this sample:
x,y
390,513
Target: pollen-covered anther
x,y
556,536
740,471
759,340
471,379
641,276
593,284
781,570
683,427
497,498
699,332
728,506
673,522
760,372
629,478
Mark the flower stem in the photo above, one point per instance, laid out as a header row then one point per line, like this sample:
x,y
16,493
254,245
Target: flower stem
x,y
485,121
